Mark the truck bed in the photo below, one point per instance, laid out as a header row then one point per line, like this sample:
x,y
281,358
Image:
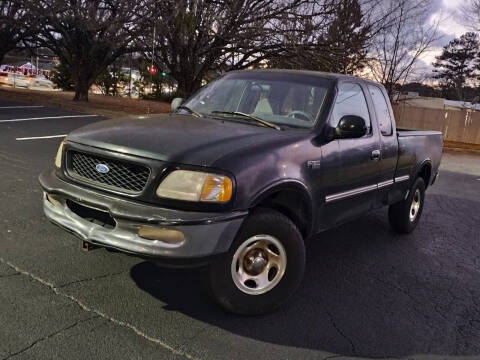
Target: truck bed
x,y
417,146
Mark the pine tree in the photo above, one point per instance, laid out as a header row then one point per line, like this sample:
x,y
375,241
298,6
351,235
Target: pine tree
x,y
340,46
347,39
458,63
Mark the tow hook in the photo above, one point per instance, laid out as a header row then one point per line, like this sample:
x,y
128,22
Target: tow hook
x,y
86,246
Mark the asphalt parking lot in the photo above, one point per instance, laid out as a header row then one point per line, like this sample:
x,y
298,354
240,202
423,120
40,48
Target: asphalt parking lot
x,y
367,292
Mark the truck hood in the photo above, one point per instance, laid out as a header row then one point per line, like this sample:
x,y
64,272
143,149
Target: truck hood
x,y
175,138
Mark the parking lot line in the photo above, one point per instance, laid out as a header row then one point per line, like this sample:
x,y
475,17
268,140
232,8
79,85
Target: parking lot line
x,y
41,137
21,107
48,117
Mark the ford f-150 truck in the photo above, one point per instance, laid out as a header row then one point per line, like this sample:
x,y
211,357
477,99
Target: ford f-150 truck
x,y
240,175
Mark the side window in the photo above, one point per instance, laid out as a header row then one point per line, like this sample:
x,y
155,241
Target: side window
x,y
381,109
350,101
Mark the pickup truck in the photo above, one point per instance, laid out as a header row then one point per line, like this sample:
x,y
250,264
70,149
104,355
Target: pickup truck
x,y
240,175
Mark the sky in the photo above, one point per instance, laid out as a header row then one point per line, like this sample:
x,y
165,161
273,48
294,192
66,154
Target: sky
x,y
450,27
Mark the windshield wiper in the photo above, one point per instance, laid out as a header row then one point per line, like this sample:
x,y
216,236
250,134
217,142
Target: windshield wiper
x,y
190,110
251,117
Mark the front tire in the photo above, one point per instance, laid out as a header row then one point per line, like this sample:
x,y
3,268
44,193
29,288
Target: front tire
x,y
405,215
263,267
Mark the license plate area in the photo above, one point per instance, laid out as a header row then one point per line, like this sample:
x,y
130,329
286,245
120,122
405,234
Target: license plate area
x,y
95,216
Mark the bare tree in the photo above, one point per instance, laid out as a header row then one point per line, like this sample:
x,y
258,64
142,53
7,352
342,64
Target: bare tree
x,y
470,13
337,42
89,35
196,37
16,24
399,46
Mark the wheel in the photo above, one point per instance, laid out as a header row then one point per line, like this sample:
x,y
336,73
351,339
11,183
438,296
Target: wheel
x,y
264,266
405,215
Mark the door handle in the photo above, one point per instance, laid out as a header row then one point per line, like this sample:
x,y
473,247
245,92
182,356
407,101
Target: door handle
x,y
376,154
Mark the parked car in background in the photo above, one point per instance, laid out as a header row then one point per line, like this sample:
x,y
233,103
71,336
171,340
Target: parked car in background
x,y
18,80
130,93
240,175
40,82
36,82
7,68
3,77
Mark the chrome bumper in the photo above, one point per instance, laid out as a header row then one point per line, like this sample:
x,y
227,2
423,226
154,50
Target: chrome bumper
x,y
204,234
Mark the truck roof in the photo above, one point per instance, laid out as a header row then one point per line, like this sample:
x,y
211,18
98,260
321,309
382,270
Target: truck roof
x,y
332,76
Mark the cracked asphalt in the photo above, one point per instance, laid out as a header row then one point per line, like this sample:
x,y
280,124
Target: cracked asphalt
x,y
367,292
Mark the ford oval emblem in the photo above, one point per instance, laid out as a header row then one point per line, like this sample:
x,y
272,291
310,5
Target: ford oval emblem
x,y
102,168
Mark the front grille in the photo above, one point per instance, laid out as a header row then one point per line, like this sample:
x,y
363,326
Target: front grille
x,y
122,176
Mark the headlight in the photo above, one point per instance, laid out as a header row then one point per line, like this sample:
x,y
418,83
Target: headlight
x,y
58,158
196,186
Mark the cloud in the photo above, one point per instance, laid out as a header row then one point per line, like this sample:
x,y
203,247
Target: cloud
x,y
448,23
449,28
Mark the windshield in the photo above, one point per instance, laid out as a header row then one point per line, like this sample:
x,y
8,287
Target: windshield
x,y
279,98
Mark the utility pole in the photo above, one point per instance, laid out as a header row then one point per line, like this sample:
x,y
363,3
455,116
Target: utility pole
x,y
153,55
130,76
153,44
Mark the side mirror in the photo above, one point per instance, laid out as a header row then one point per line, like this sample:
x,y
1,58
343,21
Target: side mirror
x,y
350,127
176,103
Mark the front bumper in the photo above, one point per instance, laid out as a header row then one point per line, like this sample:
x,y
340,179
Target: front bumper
x,y
204,234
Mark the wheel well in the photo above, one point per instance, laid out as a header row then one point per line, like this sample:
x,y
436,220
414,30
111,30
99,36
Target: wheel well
x,y
425,173
294,205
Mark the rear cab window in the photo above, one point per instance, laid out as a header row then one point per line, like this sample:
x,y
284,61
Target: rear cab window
x,y
381,110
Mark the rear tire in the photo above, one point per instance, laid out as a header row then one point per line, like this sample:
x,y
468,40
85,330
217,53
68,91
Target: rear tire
x,y
405,215
263,267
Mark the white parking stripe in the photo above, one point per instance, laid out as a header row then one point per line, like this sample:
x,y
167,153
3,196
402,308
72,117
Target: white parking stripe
x,y
20,107
41,137
48,117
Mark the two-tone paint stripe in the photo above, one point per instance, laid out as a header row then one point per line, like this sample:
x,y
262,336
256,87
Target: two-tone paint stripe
x,y
364,189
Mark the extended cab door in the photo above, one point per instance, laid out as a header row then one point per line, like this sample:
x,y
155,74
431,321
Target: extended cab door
x,y
350,167
388,141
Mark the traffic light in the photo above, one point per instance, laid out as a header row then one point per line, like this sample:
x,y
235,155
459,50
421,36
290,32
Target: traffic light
x,y
152,69
164,73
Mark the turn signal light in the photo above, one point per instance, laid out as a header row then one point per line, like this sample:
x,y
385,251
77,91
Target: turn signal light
x,y
216,188
157,233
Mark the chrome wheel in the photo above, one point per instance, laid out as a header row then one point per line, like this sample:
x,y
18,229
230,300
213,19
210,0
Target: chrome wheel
x,y
259,264
415,206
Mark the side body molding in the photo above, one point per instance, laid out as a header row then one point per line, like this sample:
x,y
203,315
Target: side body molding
x,y
357,191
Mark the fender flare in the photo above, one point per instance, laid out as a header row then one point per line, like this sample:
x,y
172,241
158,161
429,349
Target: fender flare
x,y
288,185
420,166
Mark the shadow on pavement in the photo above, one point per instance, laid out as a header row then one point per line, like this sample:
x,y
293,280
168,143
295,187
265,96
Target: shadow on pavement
x,y
367,291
